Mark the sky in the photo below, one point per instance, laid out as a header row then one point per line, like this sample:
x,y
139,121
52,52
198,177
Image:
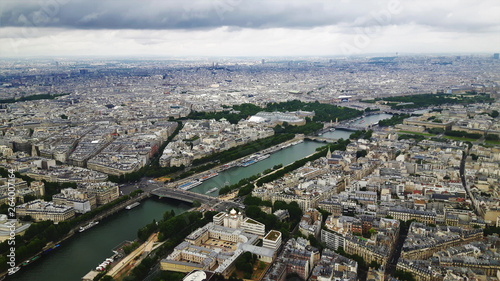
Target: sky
x,y
204,28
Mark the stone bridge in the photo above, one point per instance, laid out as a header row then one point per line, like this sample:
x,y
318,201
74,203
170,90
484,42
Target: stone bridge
x,y
184,195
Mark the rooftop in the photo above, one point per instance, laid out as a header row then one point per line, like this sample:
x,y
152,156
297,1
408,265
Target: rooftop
x,y
273,235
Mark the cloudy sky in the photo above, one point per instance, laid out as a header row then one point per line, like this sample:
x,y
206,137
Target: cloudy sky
x,y
246,27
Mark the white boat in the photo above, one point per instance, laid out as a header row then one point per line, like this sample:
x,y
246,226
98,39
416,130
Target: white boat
x,y
190,185
91,224
14,270
104,264
254,159
262,157
211,190
209,176
133,205
247,163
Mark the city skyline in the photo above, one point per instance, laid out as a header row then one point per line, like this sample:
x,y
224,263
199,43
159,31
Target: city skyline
x,y
242,28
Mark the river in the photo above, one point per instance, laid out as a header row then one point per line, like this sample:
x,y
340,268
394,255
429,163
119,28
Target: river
x,y
84,251
234,175
367,120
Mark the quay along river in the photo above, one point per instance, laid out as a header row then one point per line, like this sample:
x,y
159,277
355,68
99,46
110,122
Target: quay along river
x,y
366,121
234,175
85,251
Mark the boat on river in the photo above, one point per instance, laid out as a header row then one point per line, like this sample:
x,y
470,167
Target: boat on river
x,y
91,224
133,205
211,190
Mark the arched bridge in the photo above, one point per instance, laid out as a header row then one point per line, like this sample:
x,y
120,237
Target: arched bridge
x,y
320,139
184,195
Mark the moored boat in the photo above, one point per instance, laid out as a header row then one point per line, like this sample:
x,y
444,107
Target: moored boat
x,y
209,176
190,185
133,205
91,224
211,190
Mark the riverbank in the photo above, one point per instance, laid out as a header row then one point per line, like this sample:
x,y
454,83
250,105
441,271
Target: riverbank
x,y
76,228
277,170
123,266
233,164
96,244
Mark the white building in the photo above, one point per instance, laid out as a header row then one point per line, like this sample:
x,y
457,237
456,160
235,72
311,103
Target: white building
x,y
236,220
254,227
331,239
6,228
272,240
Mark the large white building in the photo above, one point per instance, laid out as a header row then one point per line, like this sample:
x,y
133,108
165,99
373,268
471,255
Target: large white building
x,y
40,210
216,248
81,200
236,220
272,240
332,239
6,228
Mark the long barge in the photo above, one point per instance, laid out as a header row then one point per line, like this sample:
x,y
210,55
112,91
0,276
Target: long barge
x,y
189,185
209,176
91,224
253,159
133,205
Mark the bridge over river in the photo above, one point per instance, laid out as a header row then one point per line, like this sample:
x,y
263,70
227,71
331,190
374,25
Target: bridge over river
x,y
320,139
184,195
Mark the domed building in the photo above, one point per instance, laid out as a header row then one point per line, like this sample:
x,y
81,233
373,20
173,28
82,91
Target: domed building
x,y
233,219
236,220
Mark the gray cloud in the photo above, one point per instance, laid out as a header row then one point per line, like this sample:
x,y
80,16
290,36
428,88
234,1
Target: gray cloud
x,y
206,14
246,27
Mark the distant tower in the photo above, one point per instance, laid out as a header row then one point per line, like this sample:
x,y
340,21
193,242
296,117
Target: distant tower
x,y
328,154
496,56
263,61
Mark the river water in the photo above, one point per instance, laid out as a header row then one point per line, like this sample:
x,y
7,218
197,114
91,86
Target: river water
x,y
362,121
234,175
84,251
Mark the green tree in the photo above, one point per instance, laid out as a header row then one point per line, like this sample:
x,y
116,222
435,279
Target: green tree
x,y
262,265
245,263
492,137
374,264
404,276
26,218
251,200
361,153
368,134
28,198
